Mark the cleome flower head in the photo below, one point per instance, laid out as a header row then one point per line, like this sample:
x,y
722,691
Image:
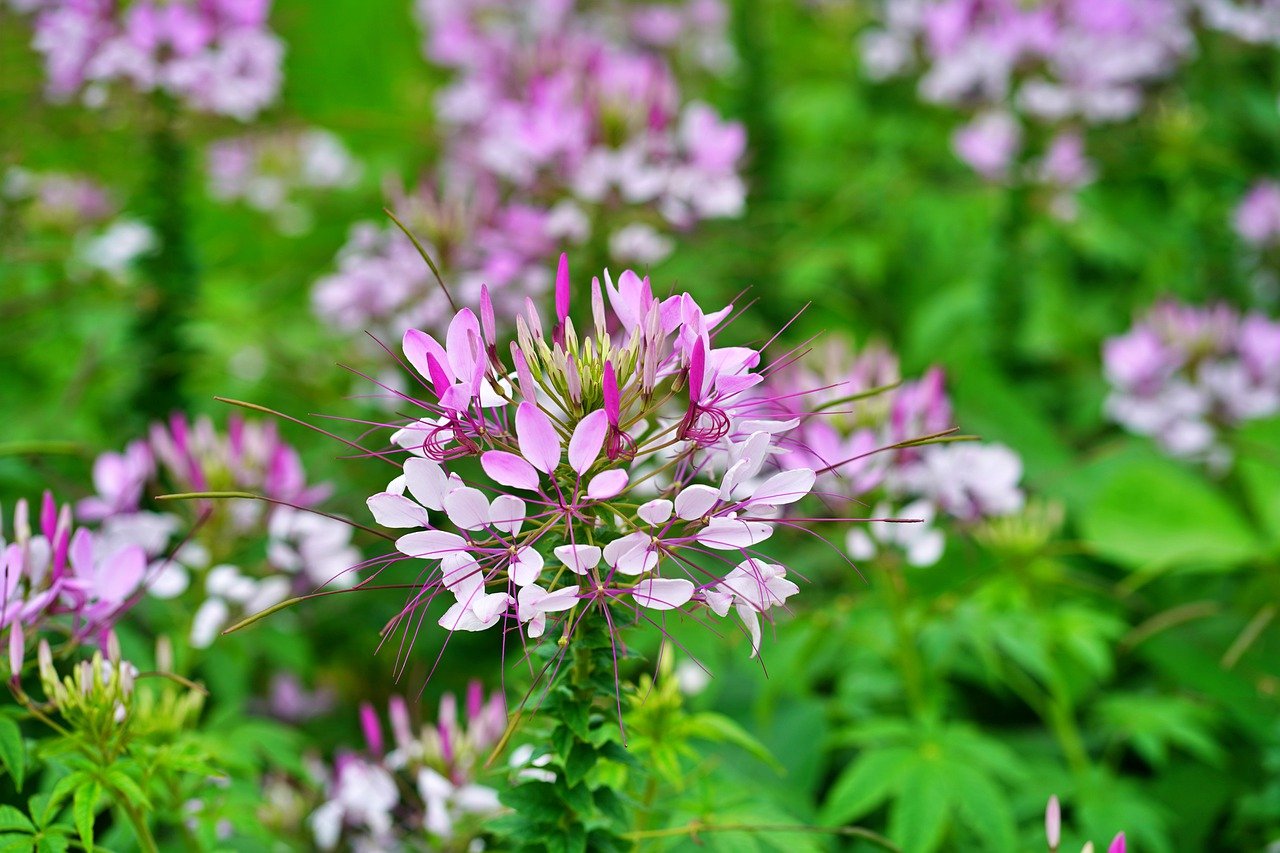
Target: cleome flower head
x,y
615,473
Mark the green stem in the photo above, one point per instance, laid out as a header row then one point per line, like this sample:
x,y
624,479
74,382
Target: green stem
x,y
172,285
905,642
146,841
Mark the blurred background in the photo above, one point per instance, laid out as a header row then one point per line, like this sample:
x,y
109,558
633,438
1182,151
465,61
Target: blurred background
x,y
1069,208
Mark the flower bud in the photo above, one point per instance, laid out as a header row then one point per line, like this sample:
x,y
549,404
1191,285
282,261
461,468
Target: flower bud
x,y
1053,823
17,648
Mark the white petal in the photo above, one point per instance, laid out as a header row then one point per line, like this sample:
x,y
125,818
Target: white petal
x,y
467,508
579,558
507,513
656,511
695,501
391,510
662,593
427,482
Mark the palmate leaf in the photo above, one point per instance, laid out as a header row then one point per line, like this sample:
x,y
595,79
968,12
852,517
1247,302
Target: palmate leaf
x,y
982,806
1149,514
13,751
922,810
84,809
11,819
719,728
866,783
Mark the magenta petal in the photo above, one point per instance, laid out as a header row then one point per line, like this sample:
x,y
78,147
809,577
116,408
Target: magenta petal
x,y
697,366
588,438
607,484
662,593
612,400
562,288
510,470
537,438
417,347
1117,844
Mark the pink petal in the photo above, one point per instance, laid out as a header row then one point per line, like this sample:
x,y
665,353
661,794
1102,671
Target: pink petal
x,y
697,369
607,484
538,440
696,501
662,593
1117,844
467,508
464,343
588,438
417,347
122,574
82,554
396,511
430,544
510,470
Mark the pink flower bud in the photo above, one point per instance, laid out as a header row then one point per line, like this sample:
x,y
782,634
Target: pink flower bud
x,y
1053,823
1117,844
372,728
17,649
562,288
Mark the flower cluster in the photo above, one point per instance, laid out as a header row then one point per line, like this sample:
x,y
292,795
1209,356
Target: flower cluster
x,y
1058,64
438,799
474,234
624,471
565,127
1257,218
1183,374
1253,21
862,448
214,56
59,574
268,171
463,32
54,200
303,549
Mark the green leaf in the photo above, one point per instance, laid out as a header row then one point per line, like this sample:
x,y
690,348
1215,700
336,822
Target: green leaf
x,y
125,784
53,844
865,784
982,806
1258,465
13,819
13,751
719,728
578,763
68,785
16,843
84,809
922,808
1150,514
